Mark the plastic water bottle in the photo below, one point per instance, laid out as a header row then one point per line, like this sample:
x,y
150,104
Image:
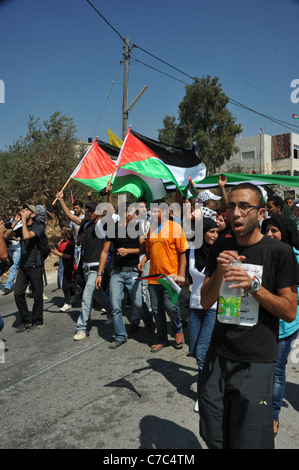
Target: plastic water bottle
x,y
229,303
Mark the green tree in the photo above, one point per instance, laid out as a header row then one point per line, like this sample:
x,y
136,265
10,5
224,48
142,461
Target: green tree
x,y
203,117
37,166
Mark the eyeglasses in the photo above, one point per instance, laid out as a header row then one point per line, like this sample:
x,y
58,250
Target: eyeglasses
x,y
243,207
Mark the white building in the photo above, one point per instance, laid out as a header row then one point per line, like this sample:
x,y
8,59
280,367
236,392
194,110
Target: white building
x,y
265,154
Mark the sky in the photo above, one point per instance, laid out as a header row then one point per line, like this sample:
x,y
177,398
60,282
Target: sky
x,y
61,55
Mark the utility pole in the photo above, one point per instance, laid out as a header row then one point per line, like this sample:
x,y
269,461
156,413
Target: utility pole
x,y
125,90
126,109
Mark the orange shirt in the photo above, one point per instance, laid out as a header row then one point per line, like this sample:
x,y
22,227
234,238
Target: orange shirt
x,y
165,248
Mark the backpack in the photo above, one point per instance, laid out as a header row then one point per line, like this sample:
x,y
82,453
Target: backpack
x,y
44,246
6,265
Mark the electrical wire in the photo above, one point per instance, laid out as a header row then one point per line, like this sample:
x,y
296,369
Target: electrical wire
x,y
160,71
107,98
231,100
106,21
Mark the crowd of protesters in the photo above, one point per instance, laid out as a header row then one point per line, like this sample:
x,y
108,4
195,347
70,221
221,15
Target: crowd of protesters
x,y
103,255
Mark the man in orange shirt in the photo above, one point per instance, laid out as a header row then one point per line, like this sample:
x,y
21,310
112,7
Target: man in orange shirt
x,y
165,247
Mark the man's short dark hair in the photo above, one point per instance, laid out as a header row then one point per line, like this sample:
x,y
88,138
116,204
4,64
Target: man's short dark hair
x,y
277,201
142,199
254,188
160,202
78,203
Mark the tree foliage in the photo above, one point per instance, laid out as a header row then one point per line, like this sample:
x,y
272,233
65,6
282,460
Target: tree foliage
x,y
37,166
203,117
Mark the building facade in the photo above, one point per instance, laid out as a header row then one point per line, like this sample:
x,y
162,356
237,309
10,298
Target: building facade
x,y
265,154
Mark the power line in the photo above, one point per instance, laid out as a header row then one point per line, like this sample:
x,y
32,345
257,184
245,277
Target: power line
x,y
106,21
231,100
164,62
160,71
107,98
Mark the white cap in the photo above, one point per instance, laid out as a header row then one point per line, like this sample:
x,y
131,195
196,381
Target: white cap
x,y
206,195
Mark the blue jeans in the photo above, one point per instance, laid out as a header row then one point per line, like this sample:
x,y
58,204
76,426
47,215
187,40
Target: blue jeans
x,y
77,254
284,347
16,255
89,292
160,303
118,281
201,327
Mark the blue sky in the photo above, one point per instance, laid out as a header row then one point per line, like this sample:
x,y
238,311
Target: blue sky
x,y
60,55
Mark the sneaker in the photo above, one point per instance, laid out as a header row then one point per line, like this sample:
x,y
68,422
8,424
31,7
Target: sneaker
x,y
116,343
23,326
45,297
65,308
35,326
80,335
6,291
196,407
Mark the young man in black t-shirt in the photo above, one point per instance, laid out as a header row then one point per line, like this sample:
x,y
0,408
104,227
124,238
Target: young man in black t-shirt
x,y
235,391
127,246
91,249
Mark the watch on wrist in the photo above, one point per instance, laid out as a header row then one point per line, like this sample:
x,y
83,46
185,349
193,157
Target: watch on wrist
x,y
255,285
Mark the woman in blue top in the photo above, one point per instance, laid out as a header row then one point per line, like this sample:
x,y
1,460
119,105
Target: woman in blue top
x,y
281,227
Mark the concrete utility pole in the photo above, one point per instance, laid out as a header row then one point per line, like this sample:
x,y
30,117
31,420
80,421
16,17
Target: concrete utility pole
x,y
126,109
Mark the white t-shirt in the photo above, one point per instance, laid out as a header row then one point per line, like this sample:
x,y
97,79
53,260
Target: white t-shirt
x,y
197,278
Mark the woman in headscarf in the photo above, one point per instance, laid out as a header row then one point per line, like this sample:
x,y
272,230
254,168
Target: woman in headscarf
x,y
201,321
287,227
224,226
279,227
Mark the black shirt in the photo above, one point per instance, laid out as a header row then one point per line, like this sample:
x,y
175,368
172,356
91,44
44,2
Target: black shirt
x,y
30,249
257,343
92,245
123,238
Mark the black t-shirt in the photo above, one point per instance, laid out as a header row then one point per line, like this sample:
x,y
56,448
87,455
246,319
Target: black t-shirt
x,y
92,245
279,267
30,249
124,238
68,263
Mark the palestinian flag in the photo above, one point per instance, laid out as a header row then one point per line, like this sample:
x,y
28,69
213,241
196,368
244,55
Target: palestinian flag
x,y
254,178
295,116
98,167
157,160
191,190
167,282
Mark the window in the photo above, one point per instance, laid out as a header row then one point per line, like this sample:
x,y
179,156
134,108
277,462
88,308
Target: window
x,y
247,156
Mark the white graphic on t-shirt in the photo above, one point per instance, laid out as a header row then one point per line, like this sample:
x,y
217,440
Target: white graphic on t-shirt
x,y
249,313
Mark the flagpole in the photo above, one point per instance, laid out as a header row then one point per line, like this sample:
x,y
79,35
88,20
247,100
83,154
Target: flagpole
x,y
78,166
118,158
61,190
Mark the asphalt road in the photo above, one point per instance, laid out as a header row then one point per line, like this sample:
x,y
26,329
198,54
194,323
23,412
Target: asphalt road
x,y
57,393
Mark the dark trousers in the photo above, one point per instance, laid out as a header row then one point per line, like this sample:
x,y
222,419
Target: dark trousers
x,y
235,404
34,277
67,296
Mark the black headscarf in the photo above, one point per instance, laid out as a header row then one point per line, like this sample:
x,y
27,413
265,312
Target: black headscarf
x,y
202,253
287,227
